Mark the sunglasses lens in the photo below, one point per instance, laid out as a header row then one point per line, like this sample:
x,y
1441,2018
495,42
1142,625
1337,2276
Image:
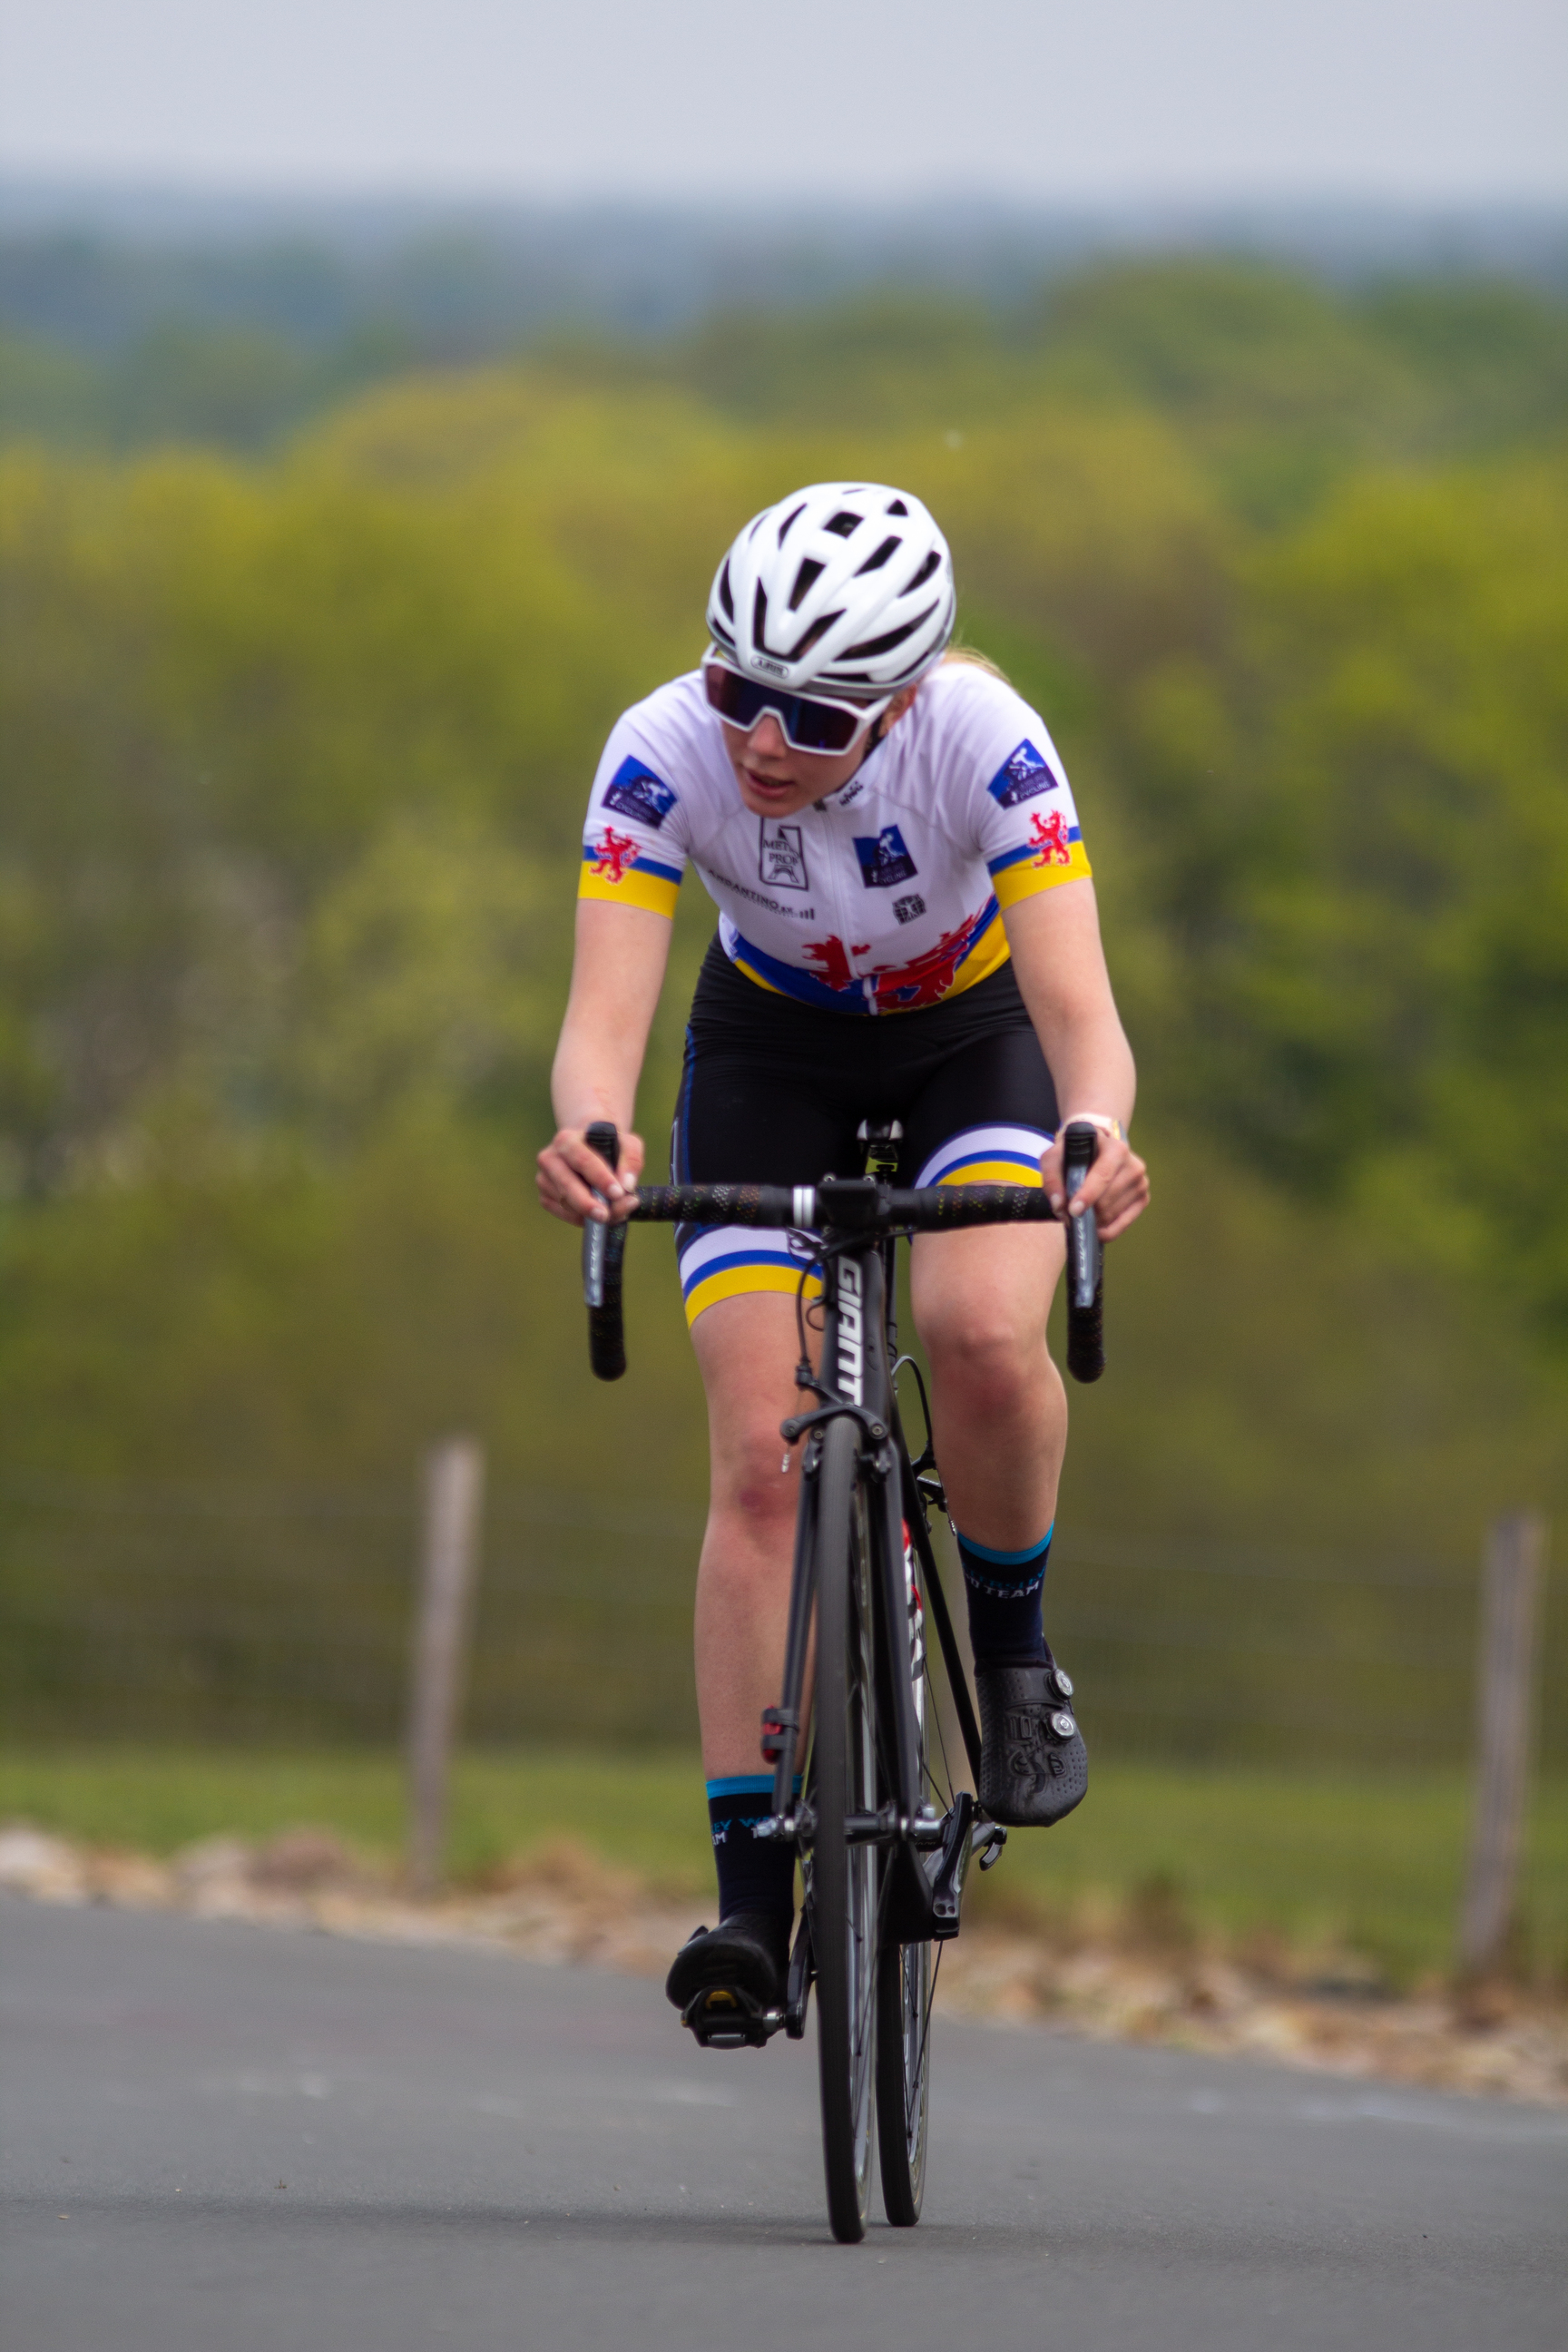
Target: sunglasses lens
x,y
808,726
734,698
818,727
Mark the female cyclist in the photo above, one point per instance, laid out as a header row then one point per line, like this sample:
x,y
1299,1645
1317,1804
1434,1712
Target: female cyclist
x,y
907,930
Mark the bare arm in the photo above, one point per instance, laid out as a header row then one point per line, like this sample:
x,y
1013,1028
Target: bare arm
x,y
1061,964
617,971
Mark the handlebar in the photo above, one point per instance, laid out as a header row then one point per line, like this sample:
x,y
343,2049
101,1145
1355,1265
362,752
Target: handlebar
x,y
846,1205
604,1257
1086,1262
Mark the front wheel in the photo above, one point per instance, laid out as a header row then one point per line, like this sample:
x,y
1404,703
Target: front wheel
x,y
903,2077
843,1877
905,1982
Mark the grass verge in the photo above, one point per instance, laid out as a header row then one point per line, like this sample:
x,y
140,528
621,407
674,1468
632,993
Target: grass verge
x,y
1372,1864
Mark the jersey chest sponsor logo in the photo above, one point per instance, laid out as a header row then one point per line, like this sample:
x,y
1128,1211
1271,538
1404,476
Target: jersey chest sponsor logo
x,y
635,790
1022,775
884,859
781,858
851,1332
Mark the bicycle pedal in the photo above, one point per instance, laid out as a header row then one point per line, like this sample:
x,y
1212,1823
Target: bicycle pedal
x,y
723,2017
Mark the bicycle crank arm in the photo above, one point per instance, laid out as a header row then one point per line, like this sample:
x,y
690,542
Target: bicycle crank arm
x,y
798,1986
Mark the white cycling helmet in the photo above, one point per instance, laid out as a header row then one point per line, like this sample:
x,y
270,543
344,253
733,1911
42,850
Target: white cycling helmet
x,y
846,586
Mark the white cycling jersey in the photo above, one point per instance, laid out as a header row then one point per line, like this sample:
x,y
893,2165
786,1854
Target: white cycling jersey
x,y
884,898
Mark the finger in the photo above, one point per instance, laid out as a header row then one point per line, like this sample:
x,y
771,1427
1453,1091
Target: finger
x,y
1124,1218
577,1192
633,1158
552,1198
1104,1170
1126,1204
595,1173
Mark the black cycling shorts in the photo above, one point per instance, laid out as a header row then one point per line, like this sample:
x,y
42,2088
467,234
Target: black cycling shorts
x,y
772,1092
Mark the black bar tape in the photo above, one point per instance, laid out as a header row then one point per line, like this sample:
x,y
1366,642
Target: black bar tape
x,y
604,1257
1086,1262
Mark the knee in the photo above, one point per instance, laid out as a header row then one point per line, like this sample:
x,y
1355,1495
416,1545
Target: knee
x,y
987,1355
752,1493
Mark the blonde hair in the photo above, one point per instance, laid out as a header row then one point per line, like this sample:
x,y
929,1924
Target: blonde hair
x,y
976,660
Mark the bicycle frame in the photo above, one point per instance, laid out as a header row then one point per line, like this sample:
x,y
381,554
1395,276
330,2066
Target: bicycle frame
x,y
858,1354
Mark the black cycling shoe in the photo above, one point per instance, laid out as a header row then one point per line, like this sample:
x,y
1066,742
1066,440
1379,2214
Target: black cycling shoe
x,y
729,1982
1034,1766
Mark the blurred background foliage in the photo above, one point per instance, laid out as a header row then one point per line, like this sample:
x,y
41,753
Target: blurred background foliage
x,y
306,656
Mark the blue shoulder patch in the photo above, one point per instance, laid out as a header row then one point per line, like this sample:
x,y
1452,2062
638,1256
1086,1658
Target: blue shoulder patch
x,y
1023,774
636,791
884,859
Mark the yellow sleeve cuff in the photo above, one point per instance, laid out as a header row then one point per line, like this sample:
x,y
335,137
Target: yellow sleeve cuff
x,y
1031,871
629,879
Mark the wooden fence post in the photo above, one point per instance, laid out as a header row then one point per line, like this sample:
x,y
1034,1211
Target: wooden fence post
x,y
1511,1594
454,1488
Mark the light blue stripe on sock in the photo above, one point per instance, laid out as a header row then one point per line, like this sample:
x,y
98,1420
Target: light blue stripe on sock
x,y
1007,1558
741,1784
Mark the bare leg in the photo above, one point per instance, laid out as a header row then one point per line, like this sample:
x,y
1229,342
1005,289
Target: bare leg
x,y
998,1406
746,1351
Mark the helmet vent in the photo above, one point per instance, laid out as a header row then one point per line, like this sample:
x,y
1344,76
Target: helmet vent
x,y
806,577
725,596
790,521
875,646
875,563
760,616
923,575
897,506
844,524
816,632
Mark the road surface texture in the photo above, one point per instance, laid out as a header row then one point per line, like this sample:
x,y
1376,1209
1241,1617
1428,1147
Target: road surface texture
x,y
226,2138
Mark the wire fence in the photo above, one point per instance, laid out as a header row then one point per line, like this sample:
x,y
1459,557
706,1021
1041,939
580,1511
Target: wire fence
x,y
283,1615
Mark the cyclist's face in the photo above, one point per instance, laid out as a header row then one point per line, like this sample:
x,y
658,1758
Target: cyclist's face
x,y
776,780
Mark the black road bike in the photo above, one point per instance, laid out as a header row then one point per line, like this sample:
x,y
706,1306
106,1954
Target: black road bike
x,y
884,1837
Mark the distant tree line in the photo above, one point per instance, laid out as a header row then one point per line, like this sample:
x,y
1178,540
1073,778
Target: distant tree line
x,y
296,748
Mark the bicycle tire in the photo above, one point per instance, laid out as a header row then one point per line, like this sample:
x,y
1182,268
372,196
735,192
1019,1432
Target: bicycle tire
x,y
905,1981
903,2078
844,1877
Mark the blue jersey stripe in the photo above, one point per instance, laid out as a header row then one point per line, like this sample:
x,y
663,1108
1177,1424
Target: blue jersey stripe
x,y
738,1257
984,1159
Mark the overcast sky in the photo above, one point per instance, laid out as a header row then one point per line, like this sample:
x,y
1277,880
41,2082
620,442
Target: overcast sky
x,y
1055,99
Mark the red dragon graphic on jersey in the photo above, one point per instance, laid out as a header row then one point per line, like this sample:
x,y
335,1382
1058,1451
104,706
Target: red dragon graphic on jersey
x,y
613,852
832,959
900,988
1049,835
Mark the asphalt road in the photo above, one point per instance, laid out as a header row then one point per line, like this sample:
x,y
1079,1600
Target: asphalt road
x,y
219,2139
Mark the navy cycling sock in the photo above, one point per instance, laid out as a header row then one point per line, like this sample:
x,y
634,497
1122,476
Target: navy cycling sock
x,y
754,1874
1003,1590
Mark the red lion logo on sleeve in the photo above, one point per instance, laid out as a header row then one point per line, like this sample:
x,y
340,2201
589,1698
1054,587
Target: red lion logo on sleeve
x,y
1049,837
613,852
